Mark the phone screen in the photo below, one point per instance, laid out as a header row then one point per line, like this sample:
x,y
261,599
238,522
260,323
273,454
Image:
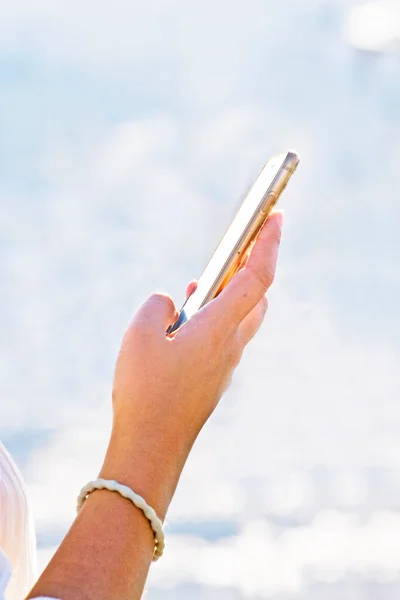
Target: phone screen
x,y
226,248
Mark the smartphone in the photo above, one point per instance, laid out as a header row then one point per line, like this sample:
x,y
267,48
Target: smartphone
x,y
241,233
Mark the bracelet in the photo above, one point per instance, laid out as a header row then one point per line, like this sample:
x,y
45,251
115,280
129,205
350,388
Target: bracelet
x,y
138,501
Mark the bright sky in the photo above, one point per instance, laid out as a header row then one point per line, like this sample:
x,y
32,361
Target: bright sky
x,y
129,133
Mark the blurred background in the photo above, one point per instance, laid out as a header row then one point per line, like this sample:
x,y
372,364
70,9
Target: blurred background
x,y
129,133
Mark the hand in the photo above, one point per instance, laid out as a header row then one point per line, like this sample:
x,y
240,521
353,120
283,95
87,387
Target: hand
x,y
166,387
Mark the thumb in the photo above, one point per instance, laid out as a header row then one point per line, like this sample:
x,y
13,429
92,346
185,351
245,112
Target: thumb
x,y
158,312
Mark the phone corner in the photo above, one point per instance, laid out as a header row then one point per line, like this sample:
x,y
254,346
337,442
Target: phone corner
x,y
292,160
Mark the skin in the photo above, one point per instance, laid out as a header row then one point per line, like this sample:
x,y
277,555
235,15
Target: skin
x,y
165,389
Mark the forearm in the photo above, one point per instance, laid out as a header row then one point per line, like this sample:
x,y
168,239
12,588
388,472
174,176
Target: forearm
x,y
106,554
109,548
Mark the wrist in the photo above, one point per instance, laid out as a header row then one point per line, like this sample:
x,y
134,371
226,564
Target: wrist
x,y
147,462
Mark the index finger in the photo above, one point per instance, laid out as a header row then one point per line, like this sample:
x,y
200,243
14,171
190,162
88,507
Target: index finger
x,y
248,286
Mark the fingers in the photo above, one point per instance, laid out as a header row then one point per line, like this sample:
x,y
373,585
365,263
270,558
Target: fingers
x,y
191,288
252,322
157,313
247,288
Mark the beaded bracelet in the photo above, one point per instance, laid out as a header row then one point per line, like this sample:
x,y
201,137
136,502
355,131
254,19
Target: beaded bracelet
x,y
138,501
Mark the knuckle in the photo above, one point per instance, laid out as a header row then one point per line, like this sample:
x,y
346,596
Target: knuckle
x,y
264,276
159,298
141,326
139,330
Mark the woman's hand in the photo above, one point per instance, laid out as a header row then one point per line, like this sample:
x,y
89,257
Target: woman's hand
x,y
166,387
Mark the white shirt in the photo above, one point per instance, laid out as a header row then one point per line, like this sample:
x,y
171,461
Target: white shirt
x,y
5,574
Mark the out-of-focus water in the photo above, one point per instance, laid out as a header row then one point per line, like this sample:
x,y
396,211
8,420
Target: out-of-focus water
x,y
128,135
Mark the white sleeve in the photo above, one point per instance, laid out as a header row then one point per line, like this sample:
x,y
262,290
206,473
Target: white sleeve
x,y
5,574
